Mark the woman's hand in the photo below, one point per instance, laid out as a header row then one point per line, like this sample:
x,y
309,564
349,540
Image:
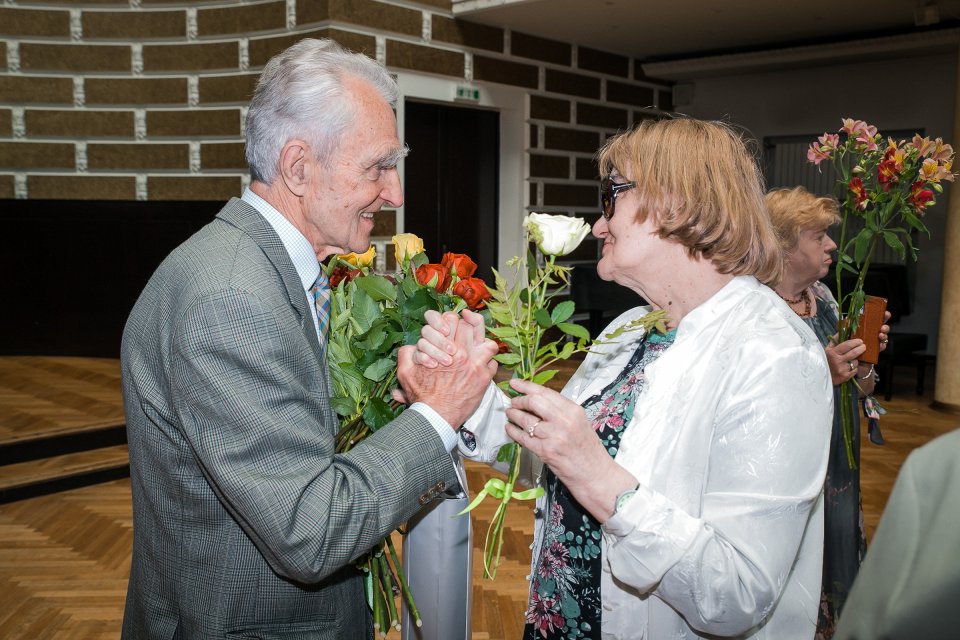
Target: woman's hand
x,y
557,430
884,331
436,345
842,359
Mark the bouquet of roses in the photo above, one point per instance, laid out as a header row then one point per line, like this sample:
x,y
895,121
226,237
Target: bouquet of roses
x,y
889,187
372,316
535,332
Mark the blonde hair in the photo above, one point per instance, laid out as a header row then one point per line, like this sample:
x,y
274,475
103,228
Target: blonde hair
x,y
795,210
705,190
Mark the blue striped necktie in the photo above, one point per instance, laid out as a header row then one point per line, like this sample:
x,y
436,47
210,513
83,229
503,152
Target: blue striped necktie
x,y
321,300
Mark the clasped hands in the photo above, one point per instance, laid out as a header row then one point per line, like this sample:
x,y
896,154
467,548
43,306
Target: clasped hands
x,y
551,426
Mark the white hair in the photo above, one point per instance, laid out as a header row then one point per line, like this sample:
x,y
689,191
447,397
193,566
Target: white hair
x,y
301,94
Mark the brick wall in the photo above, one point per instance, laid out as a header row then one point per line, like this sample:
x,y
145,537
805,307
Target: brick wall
x,y
145,99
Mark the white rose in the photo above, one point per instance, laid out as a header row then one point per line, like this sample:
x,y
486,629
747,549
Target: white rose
x,y
556,235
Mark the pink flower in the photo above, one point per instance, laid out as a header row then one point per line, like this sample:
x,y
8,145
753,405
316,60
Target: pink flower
x,y
924,146
816,155
933,171
554,558
865,134
942,151
543,614
823,148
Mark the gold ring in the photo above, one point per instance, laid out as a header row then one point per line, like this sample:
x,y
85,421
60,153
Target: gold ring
x,y
532,428
852,366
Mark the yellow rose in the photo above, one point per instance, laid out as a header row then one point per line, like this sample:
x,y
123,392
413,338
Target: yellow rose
x,y
359,260
405,246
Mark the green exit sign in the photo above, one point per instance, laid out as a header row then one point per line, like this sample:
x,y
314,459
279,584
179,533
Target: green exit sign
x,y
466,92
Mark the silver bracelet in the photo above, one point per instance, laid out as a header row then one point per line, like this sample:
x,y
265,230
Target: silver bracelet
x,y
869,373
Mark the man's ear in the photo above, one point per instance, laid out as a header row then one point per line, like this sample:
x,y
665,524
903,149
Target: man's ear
x,y
296,162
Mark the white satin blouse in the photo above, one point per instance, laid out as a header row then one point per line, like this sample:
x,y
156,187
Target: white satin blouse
x,y
729,443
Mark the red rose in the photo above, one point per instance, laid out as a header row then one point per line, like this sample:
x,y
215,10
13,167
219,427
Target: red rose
x,y
342,273
473,291
427,272
459,264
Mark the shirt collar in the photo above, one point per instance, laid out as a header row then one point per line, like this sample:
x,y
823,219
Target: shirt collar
x,y
298,247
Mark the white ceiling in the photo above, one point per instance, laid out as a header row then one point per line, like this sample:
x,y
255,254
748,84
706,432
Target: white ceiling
x,y
672,29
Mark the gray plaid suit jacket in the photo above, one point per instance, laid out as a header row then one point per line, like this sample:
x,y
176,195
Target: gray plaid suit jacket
x,y
245,520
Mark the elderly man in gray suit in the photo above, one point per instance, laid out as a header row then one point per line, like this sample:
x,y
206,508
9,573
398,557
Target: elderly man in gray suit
x,y
245,519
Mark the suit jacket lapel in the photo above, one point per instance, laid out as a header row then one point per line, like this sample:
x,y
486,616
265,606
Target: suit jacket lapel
x,y
246,218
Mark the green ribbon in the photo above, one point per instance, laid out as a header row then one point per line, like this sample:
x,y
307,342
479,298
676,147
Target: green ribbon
x,y
500,490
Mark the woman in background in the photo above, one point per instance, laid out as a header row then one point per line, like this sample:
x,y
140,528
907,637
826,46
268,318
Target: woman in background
x,y
801,221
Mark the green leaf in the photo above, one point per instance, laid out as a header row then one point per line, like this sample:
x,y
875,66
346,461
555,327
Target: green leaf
x,y
343,406
507,359
364,311
862,245
377,413
574,330
543,318
506,452
894,243
503,332
378,287
569,607
379,369
562,311
545,376
419,260
373,339
567,350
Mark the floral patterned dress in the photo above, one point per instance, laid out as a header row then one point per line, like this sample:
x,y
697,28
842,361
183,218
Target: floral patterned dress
x,y
565,595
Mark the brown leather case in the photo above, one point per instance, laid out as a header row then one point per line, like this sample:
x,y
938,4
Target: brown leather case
x,y
868,329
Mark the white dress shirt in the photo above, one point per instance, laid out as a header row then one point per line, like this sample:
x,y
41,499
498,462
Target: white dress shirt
x,y
728,441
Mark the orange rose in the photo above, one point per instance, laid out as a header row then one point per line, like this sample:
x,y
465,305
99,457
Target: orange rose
x,y
473,291
459,264
436,273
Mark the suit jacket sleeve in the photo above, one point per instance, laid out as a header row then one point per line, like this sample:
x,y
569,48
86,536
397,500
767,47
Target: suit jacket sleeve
x,y
254,410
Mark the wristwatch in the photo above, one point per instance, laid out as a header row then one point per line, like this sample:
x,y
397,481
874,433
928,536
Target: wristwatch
x,y
623,499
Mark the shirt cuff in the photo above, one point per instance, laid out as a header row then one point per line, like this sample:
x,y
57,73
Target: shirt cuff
x,y
443,428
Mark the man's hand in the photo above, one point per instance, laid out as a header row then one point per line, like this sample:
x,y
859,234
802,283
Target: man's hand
x,y
453,390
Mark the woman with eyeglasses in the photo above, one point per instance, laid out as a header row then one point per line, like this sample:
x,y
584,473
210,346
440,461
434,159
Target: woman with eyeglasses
x,y
801,220
683,470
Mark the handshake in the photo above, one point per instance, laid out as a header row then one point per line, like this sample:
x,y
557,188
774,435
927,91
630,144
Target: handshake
x,y
450,367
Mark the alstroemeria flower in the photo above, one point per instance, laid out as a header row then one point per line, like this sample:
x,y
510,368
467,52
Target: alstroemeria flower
x,y
358,260
556,235
942,151
924,146
888,173
823,148
859,194
919,197
933,171
405,246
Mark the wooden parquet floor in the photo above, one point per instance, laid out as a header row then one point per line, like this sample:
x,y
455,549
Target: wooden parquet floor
x,y
47,396
64,558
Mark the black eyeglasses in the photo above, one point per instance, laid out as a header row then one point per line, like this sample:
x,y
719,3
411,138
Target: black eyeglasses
x,y
609,190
